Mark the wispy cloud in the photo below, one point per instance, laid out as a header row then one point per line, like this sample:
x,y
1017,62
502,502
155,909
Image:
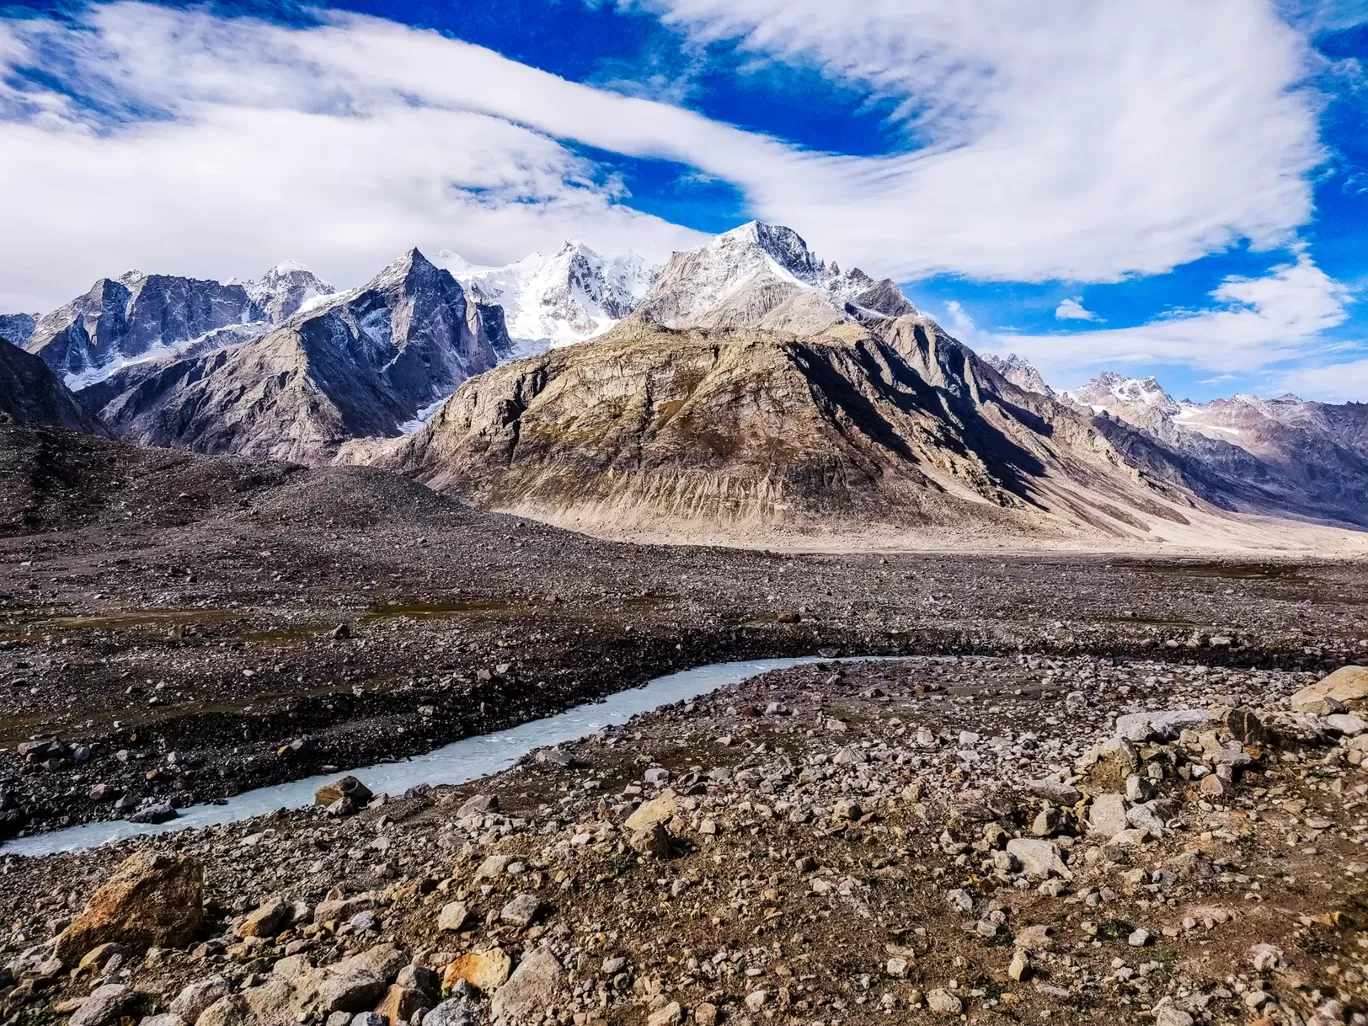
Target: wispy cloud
x,y
1073,310
1055,143
1253,324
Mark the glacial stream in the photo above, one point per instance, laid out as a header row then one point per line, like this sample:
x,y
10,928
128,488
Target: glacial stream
x,y
456,763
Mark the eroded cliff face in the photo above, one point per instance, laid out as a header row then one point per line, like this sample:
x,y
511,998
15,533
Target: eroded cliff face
x,y
745,432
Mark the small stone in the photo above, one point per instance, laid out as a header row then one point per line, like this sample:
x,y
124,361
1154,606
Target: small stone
x,y
942,1002
1019,966
757,999
453,916
1138,938
1170,1016
522,910
1107,815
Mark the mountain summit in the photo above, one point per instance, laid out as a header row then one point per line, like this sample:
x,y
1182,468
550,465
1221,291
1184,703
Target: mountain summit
x,y
568,297
764,276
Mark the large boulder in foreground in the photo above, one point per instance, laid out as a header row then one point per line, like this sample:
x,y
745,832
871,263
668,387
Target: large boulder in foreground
x,y
1348,685
152,900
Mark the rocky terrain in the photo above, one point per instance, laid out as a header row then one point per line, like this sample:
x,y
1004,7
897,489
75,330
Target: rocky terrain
x,y
1023,839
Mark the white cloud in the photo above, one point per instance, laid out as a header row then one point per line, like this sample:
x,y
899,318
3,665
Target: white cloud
x,y
1335,382
1254,323
1061,142
263,150
1073,310
1069,141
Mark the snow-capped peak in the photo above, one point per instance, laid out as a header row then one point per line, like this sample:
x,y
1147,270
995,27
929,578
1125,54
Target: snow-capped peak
x,y
1020,372
572,295
1109,390
287,288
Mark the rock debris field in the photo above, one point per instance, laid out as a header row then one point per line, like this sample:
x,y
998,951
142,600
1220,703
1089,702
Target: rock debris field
x,y
1029,839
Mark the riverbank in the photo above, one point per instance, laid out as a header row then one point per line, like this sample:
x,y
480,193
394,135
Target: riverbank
x,y
833,843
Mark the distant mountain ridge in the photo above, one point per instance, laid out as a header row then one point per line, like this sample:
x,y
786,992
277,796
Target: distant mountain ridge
x,y
749,389
1288,455
359,363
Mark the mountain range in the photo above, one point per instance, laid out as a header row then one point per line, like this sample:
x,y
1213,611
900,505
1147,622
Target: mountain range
x,y
746,391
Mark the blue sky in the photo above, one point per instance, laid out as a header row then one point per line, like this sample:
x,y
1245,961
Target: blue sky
x,y
1169,188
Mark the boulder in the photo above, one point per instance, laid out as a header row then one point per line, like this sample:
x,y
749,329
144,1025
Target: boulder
x,y
1109,764
486,971
267,920
657,811
347,787
531,989
195,997
1159,726
399,1004
1107,815
457,1012
152,900
653,842
453,916
1039,859
1347,685
104,1005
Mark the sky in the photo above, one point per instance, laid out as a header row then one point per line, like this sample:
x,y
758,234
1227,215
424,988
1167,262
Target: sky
x,y
1167,188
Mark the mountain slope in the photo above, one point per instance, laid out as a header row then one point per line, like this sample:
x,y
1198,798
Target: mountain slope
x,y
31,393
140,317
17,328
360,363
1273,457
749,435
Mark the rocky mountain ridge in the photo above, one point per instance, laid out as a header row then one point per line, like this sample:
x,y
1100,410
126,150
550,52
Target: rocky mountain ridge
x,y
359,363
1283,456
32,394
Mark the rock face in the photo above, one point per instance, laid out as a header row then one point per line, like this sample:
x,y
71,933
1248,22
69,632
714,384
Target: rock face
x,y
17,328
361,363
1348,686
126,317
1019,372
887,425
152,900
285,288
32,393
561,299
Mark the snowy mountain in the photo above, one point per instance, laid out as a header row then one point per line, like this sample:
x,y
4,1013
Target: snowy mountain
x,y
359,363
139,317
17,328
285,289
765,276
1020,372
568,297
1131,399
